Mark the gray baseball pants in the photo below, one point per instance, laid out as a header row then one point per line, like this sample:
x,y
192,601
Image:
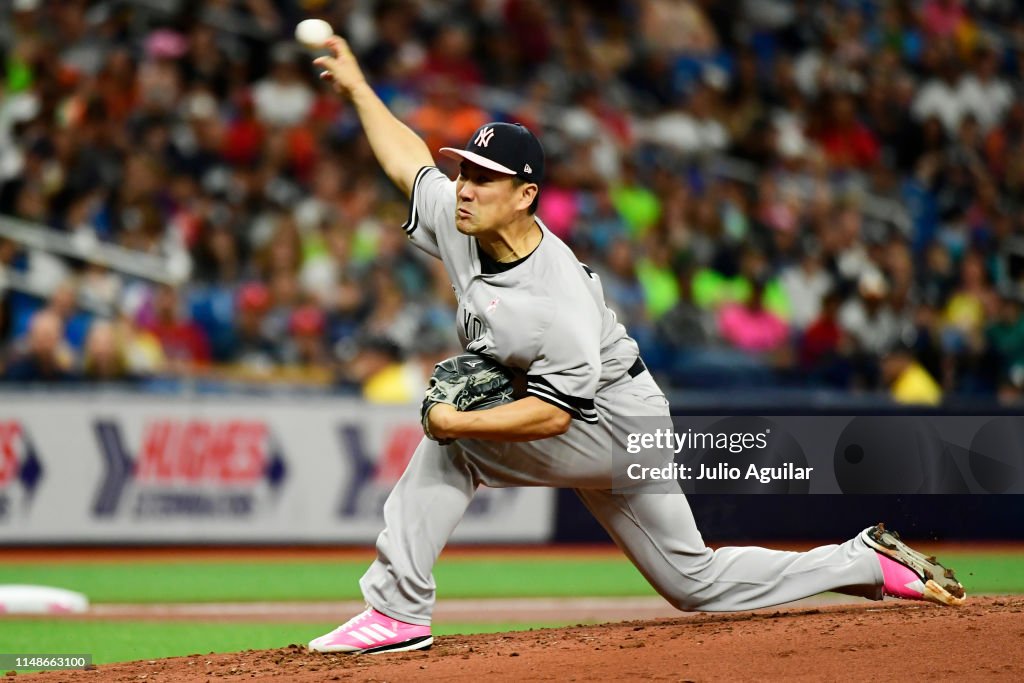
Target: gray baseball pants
x,y
656,531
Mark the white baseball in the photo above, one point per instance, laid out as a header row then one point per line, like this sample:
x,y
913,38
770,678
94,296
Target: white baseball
x,y
313,33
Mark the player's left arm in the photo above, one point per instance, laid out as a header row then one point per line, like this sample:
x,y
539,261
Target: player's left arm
x,y
527,419
561,383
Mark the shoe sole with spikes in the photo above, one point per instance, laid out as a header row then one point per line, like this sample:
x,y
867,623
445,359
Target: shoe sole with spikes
x,y
940,584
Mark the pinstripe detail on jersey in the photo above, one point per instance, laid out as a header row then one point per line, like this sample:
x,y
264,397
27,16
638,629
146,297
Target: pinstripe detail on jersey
x,y
579,408
414,218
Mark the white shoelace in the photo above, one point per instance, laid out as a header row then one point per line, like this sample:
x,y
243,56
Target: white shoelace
x,y
354,620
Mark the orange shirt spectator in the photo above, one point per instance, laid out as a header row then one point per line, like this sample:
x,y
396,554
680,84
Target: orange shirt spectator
x,y
446,119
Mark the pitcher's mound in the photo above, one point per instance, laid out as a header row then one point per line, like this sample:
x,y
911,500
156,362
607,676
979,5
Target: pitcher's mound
x,y
877,641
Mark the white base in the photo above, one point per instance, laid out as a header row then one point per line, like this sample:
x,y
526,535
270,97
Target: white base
x,y
21,599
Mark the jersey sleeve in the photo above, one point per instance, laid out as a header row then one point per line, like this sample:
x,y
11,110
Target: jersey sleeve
x,y
567,366
433,198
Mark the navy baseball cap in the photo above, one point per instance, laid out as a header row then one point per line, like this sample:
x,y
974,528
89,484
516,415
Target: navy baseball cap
x,y
506,148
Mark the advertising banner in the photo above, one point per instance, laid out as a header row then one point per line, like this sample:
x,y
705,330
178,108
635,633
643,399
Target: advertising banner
x,y
85,468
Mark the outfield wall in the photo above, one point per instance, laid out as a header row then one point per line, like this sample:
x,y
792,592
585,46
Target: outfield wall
x,y
123,468
119,468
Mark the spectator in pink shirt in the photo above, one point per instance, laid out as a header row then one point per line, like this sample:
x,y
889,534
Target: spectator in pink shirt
x,y
751,327
942,17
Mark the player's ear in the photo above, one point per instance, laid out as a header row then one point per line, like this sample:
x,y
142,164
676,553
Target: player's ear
x,y
527,193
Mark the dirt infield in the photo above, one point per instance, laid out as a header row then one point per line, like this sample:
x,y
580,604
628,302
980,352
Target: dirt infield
x,y
876,641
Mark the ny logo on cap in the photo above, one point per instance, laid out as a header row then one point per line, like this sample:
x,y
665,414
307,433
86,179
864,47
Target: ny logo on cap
x,y
483,138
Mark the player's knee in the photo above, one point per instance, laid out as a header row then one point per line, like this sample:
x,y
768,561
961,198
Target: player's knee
x,y
687,602
683,595
685,590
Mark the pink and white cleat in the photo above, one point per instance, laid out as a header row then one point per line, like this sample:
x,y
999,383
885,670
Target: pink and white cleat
x,y
910,575
371,633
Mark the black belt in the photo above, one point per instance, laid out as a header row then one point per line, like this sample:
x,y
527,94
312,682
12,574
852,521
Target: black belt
x,y
637,367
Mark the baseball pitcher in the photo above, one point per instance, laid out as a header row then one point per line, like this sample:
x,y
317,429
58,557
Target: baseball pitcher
x,y
528,304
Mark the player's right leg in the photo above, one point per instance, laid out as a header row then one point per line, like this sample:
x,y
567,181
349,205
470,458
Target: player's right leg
x,y
658,534
419,516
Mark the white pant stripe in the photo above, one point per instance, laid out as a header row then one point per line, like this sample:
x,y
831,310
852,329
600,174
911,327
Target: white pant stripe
x,y
359,636
383,630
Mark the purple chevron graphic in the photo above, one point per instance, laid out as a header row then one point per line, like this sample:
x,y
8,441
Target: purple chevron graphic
x,y
189,468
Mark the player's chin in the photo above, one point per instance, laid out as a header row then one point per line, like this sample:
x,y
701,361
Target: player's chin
x,y
465,225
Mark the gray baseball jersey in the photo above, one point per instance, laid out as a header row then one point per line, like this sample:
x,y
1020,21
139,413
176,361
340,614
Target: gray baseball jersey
x,y
547,316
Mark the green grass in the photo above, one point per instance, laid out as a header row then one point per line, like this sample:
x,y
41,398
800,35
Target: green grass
x,y
995,572
268,581
120,641
987,572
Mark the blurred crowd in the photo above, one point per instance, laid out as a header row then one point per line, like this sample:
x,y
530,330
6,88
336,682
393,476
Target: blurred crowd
x,y
775,193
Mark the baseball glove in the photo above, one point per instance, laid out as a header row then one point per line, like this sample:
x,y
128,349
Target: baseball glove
x,y
468,381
